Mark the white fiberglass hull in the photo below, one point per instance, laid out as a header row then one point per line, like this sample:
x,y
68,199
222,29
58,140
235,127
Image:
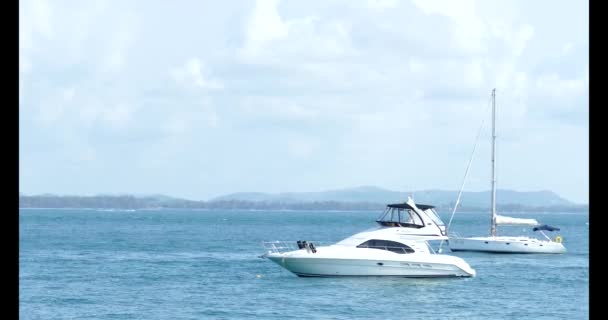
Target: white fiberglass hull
x,y
326,263
506,245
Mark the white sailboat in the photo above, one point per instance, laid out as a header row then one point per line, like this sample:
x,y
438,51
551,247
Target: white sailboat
x,y
507,244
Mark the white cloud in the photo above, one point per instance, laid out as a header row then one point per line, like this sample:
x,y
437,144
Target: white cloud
x,y
35,20
474,74
524,34
470,28
118,47
301,147
91,20
285,109
88,154
504,73
194,73
42,14
567,48
416,65
88,113
118,116
211,117
25,66
68,94
294,111
78,109
49,113
554,86
512,99
55,107
382,4
177,125
108,113
271,40
265,25
332,80
188,120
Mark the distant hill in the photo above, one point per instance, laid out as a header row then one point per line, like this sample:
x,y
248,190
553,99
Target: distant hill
x,y
379,195
360,194
361,198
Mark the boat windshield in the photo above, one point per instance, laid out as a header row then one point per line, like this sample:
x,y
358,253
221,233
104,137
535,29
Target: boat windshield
x,y
434,216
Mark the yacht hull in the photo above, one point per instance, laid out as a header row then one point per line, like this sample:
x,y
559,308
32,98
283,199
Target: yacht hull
x,y
506,245
410,265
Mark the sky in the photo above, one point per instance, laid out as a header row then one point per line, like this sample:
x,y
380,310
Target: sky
x,y
197,99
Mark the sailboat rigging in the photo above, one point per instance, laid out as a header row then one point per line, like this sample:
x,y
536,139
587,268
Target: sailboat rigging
x,y
506,244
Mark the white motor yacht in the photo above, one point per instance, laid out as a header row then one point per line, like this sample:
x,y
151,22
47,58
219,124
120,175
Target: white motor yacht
x,y
397,247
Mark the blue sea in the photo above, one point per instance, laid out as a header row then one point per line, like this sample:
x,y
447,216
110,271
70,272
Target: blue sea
x,y
196,264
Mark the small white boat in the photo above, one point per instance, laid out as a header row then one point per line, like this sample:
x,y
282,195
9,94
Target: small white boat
x,y
507,244
397,247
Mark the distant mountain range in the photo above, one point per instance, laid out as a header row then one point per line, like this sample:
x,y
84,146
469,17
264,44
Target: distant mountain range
x,y
379,195
360,198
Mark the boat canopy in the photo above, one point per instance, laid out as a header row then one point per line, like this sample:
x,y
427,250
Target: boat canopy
x,y
545,227
403,215
407,206
504,220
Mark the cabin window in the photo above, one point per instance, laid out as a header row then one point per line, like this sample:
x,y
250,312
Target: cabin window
x,y
392,246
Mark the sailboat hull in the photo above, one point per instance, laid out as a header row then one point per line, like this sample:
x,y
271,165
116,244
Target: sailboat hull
x,y
506,245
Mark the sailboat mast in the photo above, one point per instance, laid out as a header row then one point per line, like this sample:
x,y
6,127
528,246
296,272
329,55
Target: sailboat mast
x,y
493,224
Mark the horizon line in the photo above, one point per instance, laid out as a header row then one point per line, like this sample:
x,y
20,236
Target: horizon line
x,y
148,194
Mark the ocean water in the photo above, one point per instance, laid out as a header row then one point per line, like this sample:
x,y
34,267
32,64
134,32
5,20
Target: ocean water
x,y
184,264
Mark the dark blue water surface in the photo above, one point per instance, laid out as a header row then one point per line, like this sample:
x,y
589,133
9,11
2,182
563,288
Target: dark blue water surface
x,y
181,264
